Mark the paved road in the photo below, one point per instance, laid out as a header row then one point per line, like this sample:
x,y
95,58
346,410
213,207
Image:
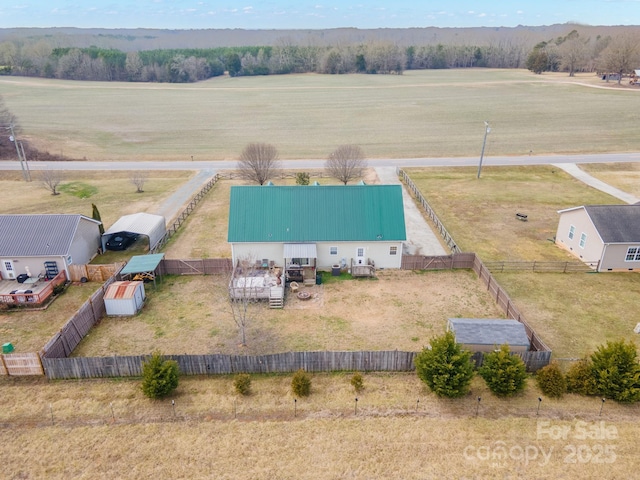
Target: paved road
x,y
302,164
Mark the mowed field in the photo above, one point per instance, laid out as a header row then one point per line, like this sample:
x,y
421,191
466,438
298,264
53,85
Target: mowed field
x,y
418,114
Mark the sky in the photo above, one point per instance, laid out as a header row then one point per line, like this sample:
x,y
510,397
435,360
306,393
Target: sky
x,y
319,14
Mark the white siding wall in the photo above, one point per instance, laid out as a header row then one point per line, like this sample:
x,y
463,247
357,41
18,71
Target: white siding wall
x,y
85,243
614,258
376,251
592,250
35,264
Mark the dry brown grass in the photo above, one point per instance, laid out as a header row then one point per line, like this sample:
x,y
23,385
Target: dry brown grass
x,y
480,213
388,438
111,191
625,176
29,330
400,310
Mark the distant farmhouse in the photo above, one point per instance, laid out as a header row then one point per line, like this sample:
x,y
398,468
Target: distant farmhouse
x,y
34,245
318,226
604,235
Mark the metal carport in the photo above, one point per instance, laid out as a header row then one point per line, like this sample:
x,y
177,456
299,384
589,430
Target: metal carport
x,y
152,226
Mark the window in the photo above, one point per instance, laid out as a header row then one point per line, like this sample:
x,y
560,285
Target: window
x,y
572,232
300,261
333,250
633,254
360,252
393,250
583,239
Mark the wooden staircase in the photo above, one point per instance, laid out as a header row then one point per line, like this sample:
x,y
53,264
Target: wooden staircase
x,y
276,297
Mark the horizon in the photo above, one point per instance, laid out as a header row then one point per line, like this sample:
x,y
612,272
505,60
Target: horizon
x,y
305,15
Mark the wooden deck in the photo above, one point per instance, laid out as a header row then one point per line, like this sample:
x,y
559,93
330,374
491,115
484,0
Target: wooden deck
x,y
29,293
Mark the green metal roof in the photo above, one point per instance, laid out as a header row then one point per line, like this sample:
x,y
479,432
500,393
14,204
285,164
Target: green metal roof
x,y
142,263
316,213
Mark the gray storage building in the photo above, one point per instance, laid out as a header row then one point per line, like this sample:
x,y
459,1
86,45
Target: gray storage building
x,y
485,335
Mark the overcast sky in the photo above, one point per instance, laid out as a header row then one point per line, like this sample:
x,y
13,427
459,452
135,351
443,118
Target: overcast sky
x,y
303,14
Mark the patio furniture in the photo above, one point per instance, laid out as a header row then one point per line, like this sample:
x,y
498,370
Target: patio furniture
x,y
294,287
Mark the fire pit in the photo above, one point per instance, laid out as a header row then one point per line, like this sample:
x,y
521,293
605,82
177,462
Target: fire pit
x,y
304,295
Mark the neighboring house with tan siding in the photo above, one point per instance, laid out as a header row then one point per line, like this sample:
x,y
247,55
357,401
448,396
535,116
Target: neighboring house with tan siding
x,y
45,244
606,236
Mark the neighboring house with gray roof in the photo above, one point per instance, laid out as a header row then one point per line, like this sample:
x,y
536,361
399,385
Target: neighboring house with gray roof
x,y
35,244
318,225
606,236
486,335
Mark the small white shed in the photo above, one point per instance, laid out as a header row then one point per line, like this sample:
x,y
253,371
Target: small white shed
x,y
124,298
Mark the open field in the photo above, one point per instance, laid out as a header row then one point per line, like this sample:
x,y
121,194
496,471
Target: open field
x,y
400,310
392,436
480,213
421,113
625,176
112,192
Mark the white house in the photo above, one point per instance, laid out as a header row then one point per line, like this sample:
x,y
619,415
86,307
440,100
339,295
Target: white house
x,y
31,245
318,226
606,236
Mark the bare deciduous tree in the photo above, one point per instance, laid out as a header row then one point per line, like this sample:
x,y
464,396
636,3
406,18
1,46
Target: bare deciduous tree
x,y
51,179
346,163
620,56
243,295
139,179
258,162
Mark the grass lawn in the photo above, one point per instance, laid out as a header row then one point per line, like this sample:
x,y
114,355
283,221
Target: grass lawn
x,y
417,114
29,330
625,176
392,435
400,310
573,313
480,213
112,192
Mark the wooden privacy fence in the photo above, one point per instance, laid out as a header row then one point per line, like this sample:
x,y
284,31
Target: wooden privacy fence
x,y
94,273
533,361
430,212
445,262
20,364
366,361
179,220
203,266
75,329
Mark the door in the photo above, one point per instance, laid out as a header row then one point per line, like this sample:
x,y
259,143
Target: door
x,y
8,271
360,260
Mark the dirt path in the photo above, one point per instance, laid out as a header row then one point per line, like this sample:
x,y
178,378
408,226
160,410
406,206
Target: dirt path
x,y
177,202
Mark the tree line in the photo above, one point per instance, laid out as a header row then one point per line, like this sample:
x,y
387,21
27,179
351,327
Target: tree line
x,y
571,53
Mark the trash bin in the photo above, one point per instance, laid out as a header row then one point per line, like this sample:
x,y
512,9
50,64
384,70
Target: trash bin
x,y
318,279
335,270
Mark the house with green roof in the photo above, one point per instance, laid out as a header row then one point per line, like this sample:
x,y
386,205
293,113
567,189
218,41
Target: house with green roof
x,y
318,226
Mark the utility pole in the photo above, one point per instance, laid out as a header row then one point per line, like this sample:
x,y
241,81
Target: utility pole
x,y
487,129
14,140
